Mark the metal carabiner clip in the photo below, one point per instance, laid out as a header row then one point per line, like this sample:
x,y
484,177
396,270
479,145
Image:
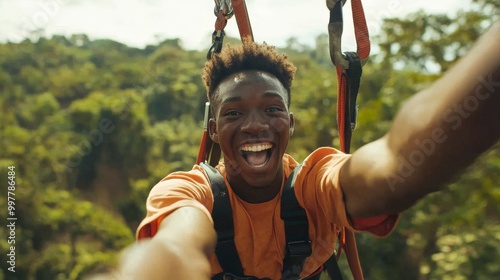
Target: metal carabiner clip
x,y
225,7
335,29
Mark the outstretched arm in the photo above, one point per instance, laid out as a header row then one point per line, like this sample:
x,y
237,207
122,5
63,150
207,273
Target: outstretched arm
x,y
436,134
180,249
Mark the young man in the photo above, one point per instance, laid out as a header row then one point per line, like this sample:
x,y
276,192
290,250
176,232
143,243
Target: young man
x,y
249,89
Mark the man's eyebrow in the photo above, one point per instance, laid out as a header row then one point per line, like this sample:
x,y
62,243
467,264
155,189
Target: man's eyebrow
x,y
269,94
231,99
274,95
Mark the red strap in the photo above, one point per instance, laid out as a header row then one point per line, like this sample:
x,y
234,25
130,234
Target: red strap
x,y
348,242
242,19
221,21
360,29
351,251
208,150
202,151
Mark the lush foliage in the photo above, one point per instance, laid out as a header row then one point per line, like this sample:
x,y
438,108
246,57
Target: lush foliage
x,y
91,126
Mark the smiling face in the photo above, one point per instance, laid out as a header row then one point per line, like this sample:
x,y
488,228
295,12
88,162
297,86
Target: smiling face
x,y
252,125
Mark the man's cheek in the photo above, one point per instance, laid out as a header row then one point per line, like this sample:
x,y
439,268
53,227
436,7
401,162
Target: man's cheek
x,y
279,125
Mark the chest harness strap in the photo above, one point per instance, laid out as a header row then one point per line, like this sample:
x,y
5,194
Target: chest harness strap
x,y
298,245
225,249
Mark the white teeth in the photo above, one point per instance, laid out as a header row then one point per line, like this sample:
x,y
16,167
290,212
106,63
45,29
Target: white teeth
x,y
256,147
260,165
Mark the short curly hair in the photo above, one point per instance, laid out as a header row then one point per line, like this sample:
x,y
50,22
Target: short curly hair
x,y
248,56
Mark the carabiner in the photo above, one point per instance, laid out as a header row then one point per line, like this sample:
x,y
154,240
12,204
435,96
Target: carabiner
x,y
225,7
335,29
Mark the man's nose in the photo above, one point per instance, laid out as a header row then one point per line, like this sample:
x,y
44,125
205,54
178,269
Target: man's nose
x,y
255,123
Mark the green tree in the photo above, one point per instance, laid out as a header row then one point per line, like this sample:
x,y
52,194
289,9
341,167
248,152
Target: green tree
x,y
92,125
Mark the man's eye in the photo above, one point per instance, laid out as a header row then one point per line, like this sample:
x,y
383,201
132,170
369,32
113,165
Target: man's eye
x,y
232,113
274,109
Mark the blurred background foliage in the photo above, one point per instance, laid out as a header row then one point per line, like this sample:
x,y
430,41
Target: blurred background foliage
x,y
92,125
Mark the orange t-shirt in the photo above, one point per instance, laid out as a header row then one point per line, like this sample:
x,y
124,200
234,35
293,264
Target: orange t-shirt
x,y
258,228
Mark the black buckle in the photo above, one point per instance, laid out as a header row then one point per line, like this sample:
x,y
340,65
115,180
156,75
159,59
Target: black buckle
x,y
217,42
299,248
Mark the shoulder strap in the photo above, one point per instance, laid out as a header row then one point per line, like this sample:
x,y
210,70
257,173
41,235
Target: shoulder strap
x,y
222,215
298,245
332,268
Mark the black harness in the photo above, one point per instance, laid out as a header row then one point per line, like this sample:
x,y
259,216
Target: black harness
x,y
298,244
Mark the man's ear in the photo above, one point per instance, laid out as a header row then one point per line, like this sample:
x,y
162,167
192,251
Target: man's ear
x,y
292,123
212,130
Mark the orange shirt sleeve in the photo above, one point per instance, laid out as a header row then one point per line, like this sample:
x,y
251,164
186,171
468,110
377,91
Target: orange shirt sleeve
x,y
322,169
179,189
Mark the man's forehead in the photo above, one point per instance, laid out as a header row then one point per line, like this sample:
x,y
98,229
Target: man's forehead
x,y
249,77
233,83
248,74
240,76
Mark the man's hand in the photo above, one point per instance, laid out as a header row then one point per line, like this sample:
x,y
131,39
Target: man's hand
x,y
180,250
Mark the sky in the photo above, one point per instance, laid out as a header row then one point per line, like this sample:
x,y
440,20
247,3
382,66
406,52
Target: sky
x,y
138,23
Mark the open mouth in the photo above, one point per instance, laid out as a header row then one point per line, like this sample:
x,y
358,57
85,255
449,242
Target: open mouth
x,y
256,155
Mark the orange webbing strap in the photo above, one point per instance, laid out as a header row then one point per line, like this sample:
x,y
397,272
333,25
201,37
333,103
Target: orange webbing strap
x,y
348,80
360,30
348,67
242,19
209,151
205,138
220,22
351,251
202,151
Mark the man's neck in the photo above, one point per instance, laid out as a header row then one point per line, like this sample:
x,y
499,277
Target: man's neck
x,y
252,194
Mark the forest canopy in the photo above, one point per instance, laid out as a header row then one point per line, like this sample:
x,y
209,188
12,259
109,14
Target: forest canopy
x,y
92,125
